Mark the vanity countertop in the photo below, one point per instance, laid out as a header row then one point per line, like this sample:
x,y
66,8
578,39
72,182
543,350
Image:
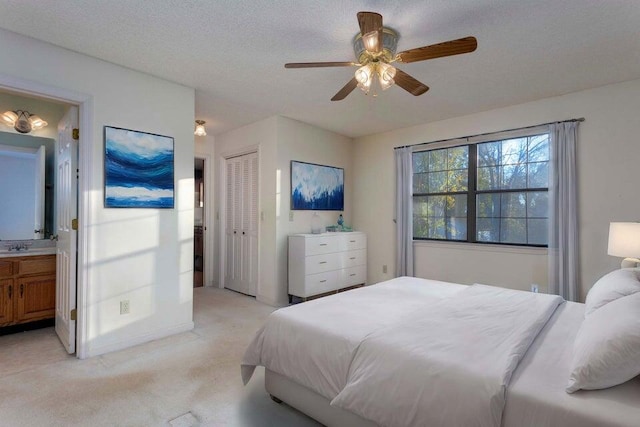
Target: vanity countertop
x,y
28,252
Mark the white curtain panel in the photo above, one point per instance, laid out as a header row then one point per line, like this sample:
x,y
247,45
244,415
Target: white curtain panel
x,y
404,216
563,211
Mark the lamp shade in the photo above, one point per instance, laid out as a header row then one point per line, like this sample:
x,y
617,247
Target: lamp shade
x,y
624,239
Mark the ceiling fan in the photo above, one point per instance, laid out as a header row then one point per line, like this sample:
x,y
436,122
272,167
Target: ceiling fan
x,y
375,48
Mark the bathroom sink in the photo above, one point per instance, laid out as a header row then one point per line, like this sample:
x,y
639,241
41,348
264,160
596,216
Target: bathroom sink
x,y
4,253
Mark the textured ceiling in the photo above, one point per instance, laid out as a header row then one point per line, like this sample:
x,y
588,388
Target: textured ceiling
x,y
232,52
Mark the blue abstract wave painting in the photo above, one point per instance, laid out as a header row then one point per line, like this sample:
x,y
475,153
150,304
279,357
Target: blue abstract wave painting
x,y
316,187
138,169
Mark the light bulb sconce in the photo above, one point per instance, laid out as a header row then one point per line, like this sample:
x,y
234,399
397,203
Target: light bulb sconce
x,y
200,130
22,121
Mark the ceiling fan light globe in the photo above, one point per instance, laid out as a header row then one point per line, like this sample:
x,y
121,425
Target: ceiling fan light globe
x,y
386,74
370,41
364,75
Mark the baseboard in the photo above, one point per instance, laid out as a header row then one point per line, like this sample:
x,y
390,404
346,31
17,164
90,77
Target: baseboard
x,y
271,302
140,339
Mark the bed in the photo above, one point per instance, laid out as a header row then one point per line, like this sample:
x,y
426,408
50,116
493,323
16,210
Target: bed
x,y
422,352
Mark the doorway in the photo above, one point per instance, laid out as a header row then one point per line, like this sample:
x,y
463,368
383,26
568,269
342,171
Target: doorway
x,y
199,223
74,294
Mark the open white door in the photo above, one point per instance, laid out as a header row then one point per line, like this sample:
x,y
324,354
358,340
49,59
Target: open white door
x,y
39,192
66,212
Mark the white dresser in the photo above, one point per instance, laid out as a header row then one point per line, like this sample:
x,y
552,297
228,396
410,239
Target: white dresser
x,y
327,262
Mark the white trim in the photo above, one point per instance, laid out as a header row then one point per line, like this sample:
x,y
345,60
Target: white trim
x,y
139,339
485,247
85,164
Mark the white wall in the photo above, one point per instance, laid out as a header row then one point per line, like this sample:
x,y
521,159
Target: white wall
x,y
306,143
143,255
279,140
608,154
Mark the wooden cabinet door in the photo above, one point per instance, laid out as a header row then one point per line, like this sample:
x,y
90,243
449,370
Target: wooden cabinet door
x,y
7,296
36,297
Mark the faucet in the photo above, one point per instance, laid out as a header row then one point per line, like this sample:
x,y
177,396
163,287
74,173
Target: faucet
x,y
20,246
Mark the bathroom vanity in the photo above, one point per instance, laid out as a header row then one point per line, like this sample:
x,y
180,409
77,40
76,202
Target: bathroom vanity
x,y
27,287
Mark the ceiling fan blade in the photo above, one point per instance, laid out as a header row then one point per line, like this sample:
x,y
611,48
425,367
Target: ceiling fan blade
x,y
346,90
452,47
371,22
318,64
408,83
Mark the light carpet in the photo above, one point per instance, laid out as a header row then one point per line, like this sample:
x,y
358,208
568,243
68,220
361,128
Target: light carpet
x,y
189,379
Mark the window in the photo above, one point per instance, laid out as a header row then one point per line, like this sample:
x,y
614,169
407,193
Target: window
x,y
491,192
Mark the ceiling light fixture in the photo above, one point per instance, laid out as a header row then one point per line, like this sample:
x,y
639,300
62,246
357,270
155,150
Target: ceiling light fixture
x,y
23,121
200,131
366,74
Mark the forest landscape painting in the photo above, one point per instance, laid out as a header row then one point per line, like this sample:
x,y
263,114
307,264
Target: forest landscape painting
x,y
138,169
316,187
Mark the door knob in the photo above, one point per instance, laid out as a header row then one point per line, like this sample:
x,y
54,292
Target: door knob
x,y
243,232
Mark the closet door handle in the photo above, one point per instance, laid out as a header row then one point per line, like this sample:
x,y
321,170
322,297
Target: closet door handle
x,y
21,289
235,232
10,290
243,233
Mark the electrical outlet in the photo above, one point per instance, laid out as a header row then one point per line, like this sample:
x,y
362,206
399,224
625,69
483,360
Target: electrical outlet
x,y
384,269
290,215
124,306
534,288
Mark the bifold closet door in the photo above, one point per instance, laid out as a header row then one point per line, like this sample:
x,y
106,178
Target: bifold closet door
x,y
241,224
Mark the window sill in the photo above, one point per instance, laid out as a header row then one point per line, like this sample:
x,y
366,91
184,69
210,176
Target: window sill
x,y
485,247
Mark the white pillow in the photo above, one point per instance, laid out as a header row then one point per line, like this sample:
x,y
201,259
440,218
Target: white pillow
x,y
610,287
606,351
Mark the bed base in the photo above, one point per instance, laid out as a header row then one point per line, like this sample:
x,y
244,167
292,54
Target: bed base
x,y
309,402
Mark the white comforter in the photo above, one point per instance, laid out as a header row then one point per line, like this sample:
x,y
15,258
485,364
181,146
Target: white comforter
x,y
314,343
448,364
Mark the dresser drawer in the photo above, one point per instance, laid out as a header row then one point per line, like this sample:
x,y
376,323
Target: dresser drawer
x,y
349,242
320,245
354,276
315,284
320,263
353,258
37,264
6,268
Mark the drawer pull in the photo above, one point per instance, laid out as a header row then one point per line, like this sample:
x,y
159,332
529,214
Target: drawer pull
x,y
352,257
21,289
323,244
322,281
323,262
352,241
352,274
10,291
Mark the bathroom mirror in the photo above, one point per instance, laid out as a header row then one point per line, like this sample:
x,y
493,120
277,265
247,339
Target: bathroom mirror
x,y
27,171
